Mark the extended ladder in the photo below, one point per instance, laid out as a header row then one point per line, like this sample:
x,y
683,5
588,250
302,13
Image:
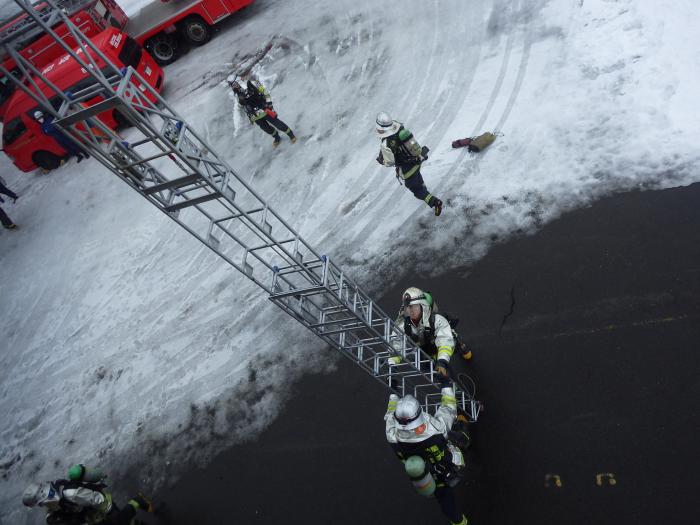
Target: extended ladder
x,y
170,165
22,29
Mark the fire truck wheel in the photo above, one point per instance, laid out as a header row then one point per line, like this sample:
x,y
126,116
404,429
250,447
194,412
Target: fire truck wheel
x,y
121,120
46,160
196,30
163,48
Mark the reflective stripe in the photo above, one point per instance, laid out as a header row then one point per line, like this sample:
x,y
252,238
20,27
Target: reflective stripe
x,y
394,360
427,198
410,172
446,349
445,352
391,406
448,400
463,522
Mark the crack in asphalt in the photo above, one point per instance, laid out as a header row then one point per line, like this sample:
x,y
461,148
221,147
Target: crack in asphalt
x,y
512,308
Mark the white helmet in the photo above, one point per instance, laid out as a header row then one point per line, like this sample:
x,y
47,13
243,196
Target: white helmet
x,y
409,413
40,494
415,295
386,126
38,115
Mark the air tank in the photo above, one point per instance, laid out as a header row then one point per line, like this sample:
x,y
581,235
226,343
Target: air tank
x,y
80,472
420,475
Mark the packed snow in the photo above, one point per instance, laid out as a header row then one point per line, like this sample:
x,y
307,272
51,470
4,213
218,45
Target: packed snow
x,y
126,342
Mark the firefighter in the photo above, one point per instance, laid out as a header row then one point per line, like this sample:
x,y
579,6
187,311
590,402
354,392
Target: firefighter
x,y
257,103
436,440
50,129
82,499
429,330
4,218
400,150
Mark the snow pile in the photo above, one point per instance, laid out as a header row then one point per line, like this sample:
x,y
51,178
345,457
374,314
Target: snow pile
x,y
127,342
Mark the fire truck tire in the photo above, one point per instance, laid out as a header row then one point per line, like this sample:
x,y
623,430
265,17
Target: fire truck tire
x,y
46,160
121,120
196,30
163,48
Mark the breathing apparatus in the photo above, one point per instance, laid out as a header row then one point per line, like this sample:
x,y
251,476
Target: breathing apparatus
x,y
421,477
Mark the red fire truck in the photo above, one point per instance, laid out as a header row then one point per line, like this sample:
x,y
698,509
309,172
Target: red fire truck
x,y
90,16
161,27
23,138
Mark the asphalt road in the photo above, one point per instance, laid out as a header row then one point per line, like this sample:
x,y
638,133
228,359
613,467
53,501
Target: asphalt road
x,y
586,338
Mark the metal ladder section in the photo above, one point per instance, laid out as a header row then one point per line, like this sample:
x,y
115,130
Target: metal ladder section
x,y
24,29
169,164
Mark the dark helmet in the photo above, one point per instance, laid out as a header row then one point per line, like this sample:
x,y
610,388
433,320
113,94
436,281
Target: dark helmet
x,y
236,86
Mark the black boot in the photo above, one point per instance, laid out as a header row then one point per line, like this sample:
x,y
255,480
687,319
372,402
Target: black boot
x,y
142,503
459,435
437,206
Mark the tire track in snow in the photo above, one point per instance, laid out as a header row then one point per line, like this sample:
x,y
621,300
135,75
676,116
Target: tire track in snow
x,y
518,82
515,90
397,193
473,163
505,60
440,110
428,78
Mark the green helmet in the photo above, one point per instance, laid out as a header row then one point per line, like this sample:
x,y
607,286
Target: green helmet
x,y
76,472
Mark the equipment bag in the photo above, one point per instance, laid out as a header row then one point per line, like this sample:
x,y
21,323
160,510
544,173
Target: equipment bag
x,y
482,141
475,144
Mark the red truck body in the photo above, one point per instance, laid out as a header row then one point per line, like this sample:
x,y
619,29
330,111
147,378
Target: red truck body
x,y
23,139
158,26
159,17
90,16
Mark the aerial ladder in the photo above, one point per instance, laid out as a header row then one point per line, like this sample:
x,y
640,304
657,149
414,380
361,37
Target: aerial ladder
x,y
24,29
170,165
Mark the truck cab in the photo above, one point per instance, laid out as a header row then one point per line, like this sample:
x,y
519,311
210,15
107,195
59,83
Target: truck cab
x,y
23,139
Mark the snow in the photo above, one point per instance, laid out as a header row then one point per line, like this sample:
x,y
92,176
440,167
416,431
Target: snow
x,y
125,342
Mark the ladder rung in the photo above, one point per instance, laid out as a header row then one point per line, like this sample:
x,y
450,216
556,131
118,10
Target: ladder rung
x,y
298,291
340,330
175,183
350,320
91,111
191,202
